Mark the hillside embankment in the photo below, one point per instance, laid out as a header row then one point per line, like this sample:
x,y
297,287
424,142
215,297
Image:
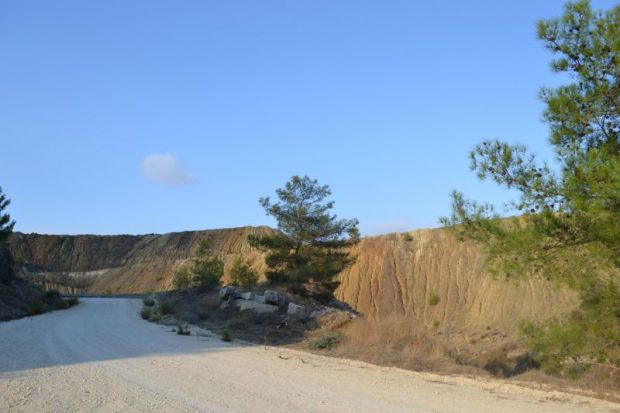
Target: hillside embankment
x,y
423,296
19,298
428,277
125,263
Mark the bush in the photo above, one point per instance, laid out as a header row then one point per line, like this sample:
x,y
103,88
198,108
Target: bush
x,y
183,330
182,278
326,342
148,301
155,317
52,294
407,237
166,307
323,297
226,336
592,332
433,298
311,246
242,275
208,271
146,313
36,308
71,301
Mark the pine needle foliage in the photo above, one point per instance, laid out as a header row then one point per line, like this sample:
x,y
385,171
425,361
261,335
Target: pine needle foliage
x,y
207,268
182,278
242,274
204,271
6,224
568,226
311,245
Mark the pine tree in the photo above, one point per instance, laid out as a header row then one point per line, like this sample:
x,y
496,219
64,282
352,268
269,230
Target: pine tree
x,y
6,224
242,274
310,247
207,268
569,226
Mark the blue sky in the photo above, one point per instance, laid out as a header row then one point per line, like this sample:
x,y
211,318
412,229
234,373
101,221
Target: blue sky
x,y
157,116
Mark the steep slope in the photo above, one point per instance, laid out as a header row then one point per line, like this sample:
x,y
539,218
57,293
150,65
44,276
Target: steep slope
x,y
127,263
392,278
17,297
395,278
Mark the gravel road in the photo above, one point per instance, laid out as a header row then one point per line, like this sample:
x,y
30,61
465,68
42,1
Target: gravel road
x,y
100,356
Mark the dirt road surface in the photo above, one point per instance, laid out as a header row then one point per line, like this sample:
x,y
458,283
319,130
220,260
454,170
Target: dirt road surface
x,y
100,356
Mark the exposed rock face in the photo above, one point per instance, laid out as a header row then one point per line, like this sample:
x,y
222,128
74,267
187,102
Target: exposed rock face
x,y
129,263
275,298
251,305
296,310
392,277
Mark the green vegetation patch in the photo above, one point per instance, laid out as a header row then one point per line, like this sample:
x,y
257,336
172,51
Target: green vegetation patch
x,y
326,342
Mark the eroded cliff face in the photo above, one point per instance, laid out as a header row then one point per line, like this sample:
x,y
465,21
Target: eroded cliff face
x,y
395,278
392,278
128,263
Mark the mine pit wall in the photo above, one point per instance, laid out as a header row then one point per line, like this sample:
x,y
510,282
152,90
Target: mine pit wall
x,y
392,277
129,263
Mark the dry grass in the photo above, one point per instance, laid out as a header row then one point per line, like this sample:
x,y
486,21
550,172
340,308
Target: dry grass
x,y
594,383
398,342
393,342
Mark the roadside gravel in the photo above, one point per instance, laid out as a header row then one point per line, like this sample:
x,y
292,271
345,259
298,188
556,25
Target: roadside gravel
x,y
100,356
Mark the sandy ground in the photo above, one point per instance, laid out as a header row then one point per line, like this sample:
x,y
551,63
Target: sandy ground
x,y
100,356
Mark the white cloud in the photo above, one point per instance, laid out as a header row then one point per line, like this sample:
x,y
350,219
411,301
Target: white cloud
x,y
165,169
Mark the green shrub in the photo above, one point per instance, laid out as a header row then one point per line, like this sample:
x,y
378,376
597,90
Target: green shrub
x,y
165,307
326,342
226,336
71,301
242,274
208,271
155,317
148,301
52,294
146,313
592,331
312,325
567,215
433,298
436,324
183,330
36,308
182,278
407,237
